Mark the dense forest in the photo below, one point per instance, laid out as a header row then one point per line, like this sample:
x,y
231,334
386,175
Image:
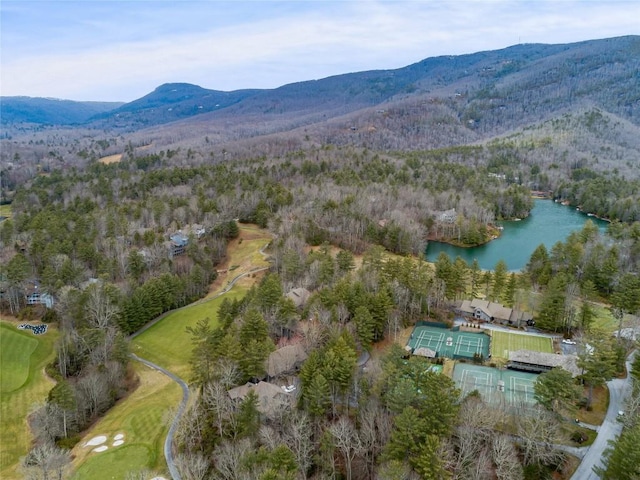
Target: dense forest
x,y
99,240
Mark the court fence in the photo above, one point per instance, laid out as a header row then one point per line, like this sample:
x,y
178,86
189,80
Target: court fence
x,y
425,323
449,343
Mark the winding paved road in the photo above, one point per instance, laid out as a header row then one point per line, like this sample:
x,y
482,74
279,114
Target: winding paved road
x,y
168,443
610,428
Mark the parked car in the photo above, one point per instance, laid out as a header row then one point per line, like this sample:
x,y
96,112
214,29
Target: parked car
x,y
568,341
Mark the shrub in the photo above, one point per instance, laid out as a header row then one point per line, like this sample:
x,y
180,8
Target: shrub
x,y
578,437
68,442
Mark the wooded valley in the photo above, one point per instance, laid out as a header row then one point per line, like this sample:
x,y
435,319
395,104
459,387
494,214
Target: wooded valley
x,y
127,215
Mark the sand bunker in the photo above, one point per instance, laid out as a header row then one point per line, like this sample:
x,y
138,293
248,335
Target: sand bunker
x,y
100,439
100,449
119,436
158,478
117,443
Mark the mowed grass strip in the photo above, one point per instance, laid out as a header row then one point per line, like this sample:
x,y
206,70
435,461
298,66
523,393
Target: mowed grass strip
x,y
168,344
115,464
143,418
5,211
16,404
504,342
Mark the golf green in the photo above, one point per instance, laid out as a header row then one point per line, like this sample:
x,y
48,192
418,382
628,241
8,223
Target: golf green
x,y
15,358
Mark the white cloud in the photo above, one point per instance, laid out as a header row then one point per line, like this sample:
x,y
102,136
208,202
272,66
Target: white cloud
x,y
324,38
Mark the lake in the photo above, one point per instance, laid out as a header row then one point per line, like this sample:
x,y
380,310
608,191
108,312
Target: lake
x,y
548,223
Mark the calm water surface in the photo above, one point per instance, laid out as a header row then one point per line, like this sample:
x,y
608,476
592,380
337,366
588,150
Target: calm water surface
x,y
548,223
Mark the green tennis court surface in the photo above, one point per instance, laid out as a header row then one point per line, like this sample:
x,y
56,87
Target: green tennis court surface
x,y
497,386
449,343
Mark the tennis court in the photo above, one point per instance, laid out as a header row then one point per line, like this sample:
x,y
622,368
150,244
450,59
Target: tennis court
x,y
450,343
497,386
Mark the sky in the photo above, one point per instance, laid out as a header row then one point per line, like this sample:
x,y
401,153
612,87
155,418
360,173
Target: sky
x,y
114,50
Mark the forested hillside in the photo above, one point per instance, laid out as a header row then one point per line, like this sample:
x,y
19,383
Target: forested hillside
x,y
128,216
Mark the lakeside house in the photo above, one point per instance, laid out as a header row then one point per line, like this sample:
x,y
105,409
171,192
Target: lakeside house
x,y
447,216
492,312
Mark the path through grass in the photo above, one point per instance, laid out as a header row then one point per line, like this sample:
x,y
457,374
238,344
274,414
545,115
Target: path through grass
x,y
144,416
24,385
168,344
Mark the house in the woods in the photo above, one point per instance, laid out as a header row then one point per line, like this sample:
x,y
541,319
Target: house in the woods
x,y
486,311
538,362
178,244
299,296
179,240
270,396
35,295
285,360
447,216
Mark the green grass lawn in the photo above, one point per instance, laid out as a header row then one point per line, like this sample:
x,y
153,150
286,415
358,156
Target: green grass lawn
x,y
143,418
503,342
5,211
604,319
22,360
15,357
168,344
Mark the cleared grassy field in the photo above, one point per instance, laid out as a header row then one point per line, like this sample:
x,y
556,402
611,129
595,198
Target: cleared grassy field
x,y
111,159
168,344
23,357
143,418
503,342
5,211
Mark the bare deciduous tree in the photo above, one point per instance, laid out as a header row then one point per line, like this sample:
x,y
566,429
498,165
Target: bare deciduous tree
x,y
192,465
538,431
375,429
297,436
228,459
505,458
215,399
347,440
46,462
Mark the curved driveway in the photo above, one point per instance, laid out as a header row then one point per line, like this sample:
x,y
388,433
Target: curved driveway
x,y
168,443
610,428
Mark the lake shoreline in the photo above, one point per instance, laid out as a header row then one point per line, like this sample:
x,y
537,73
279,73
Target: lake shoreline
x,y
548,223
